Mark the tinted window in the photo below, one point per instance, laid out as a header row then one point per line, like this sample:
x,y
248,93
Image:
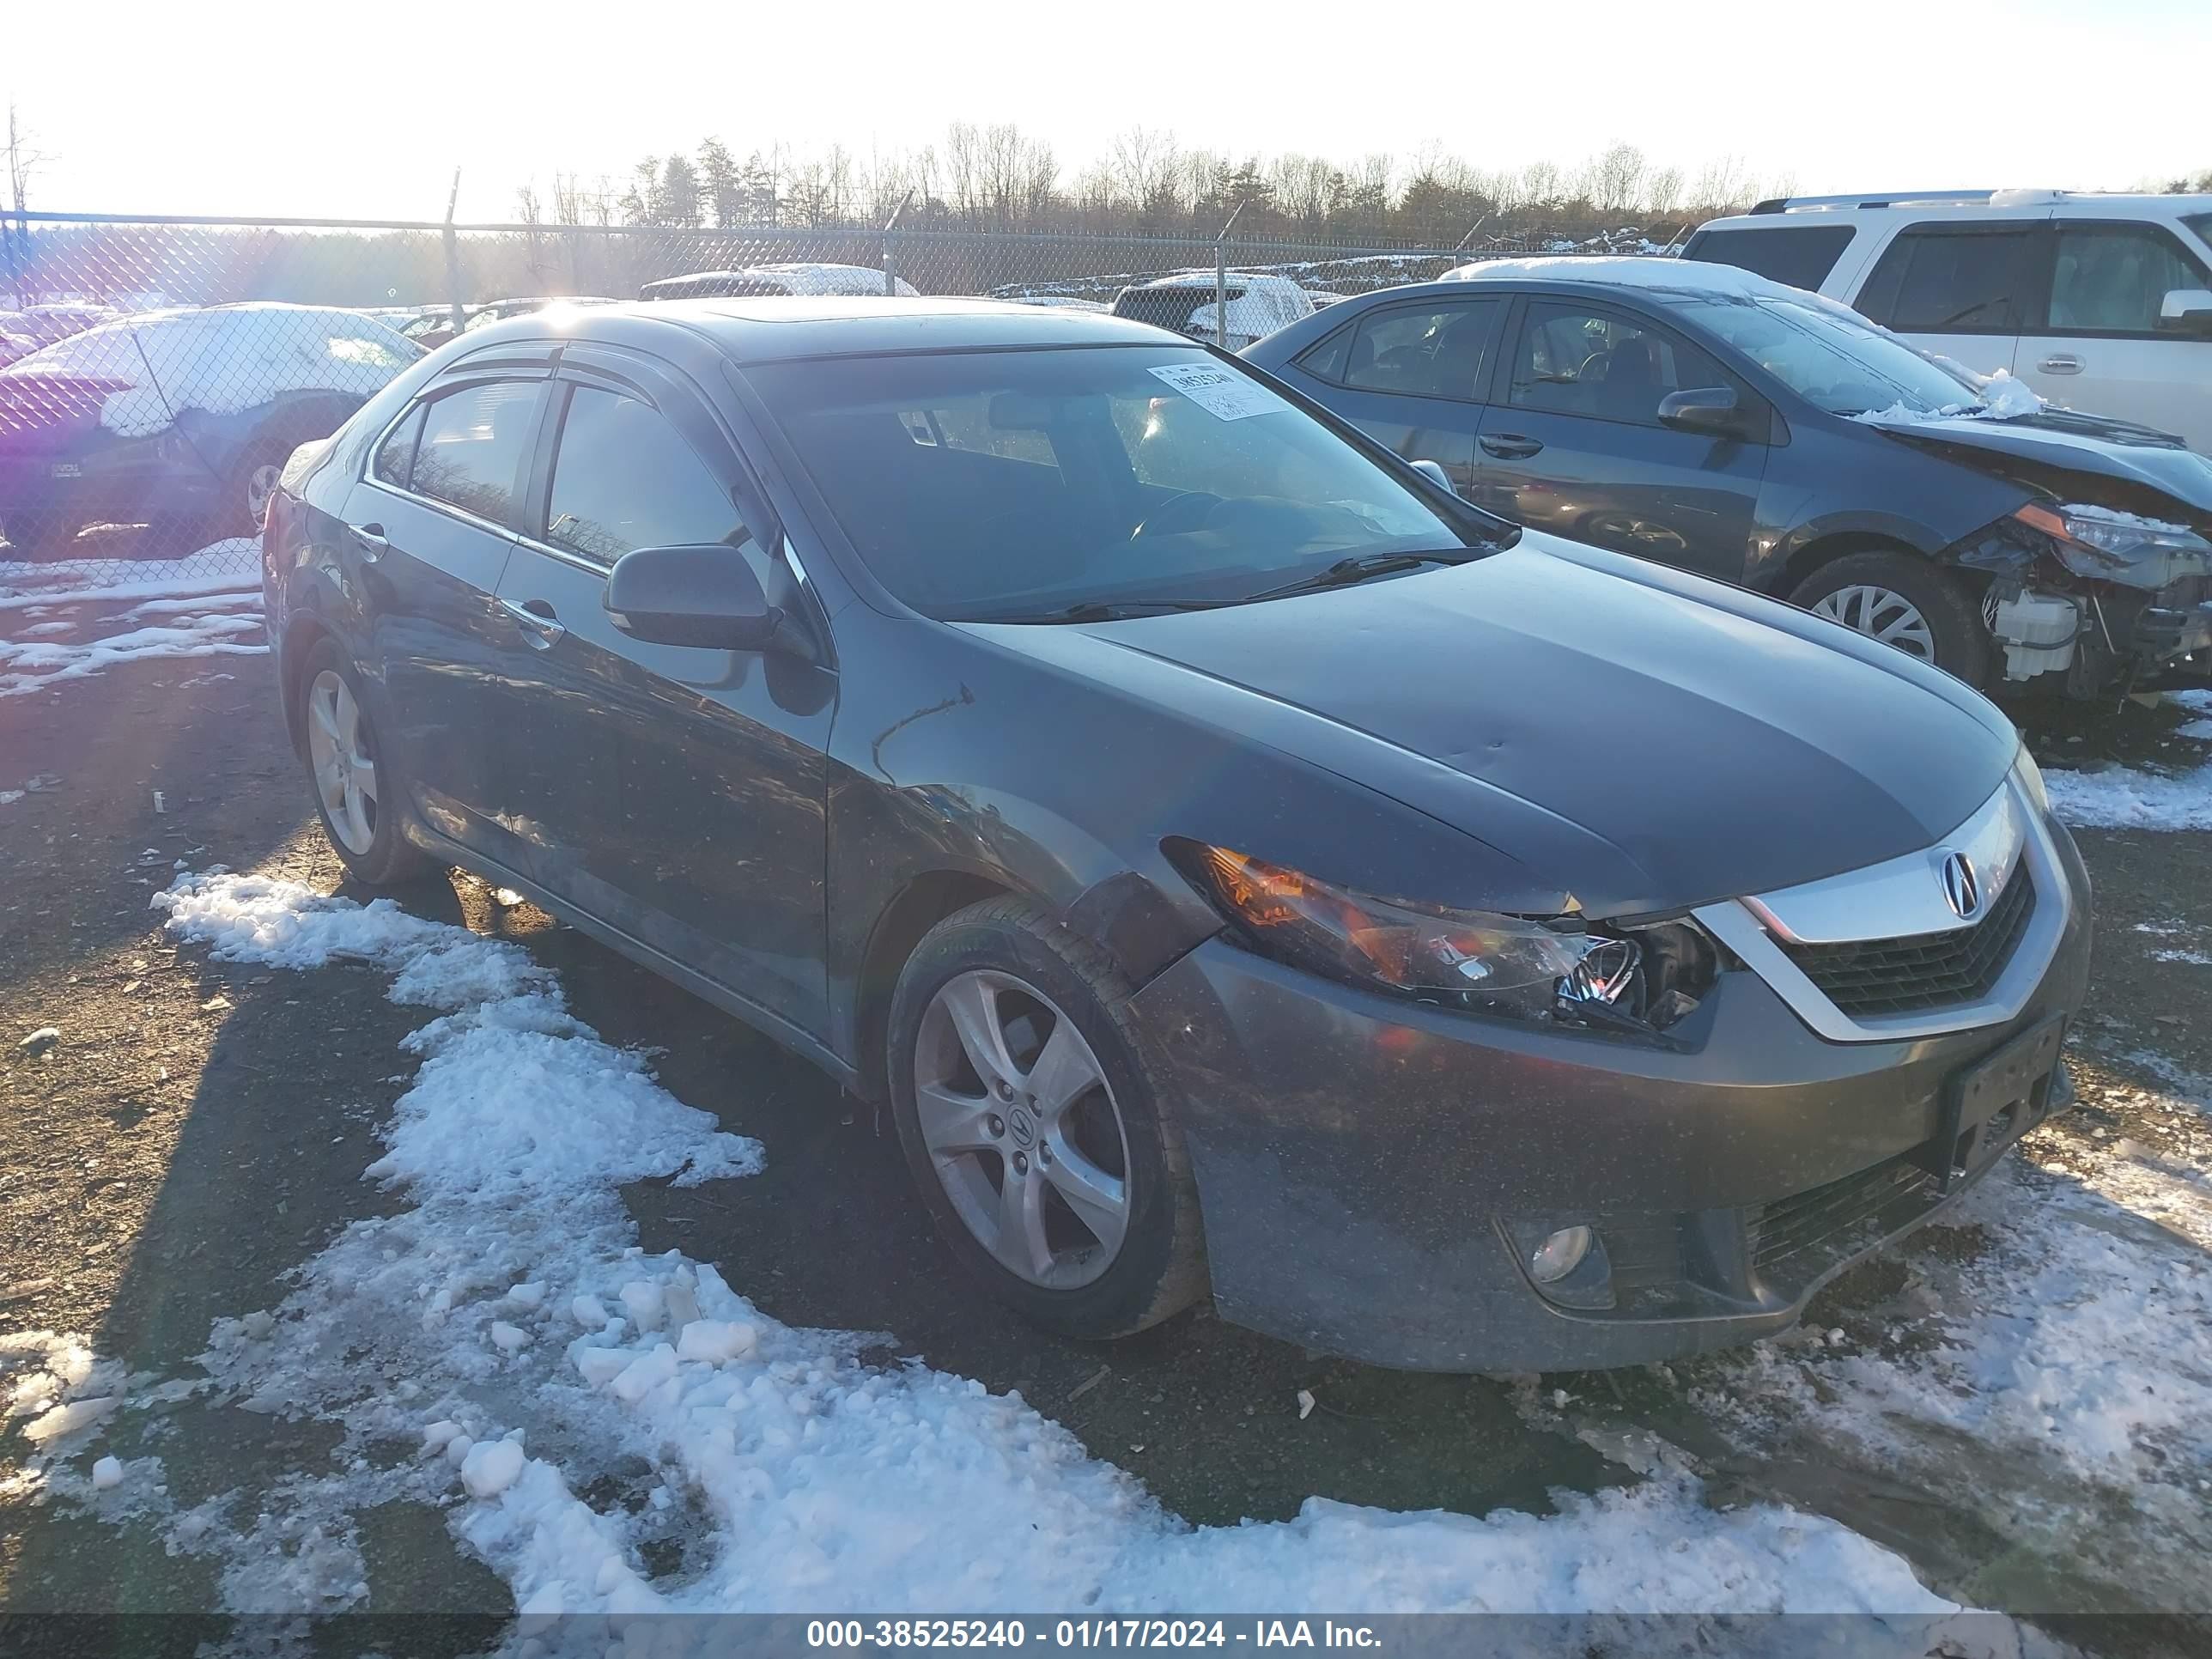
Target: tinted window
x,y
397,453
1115,475
1799,255
1950,282
1439,350
1575,360
1326,359
472,445
624,477
2200,223
2113,279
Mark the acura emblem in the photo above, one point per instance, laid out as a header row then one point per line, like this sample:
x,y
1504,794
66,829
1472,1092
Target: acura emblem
x,y
1961,890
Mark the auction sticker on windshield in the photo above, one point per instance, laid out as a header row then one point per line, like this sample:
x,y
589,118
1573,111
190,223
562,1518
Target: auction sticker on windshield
x,y
1223,393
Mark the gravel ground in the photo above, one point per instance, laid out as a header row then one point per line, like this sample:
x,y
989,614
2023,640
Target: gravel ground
x,y
198,1129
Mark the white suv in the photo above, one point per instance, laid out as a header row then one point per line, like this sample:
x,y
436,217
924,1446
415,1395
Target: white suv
x,y
2099,303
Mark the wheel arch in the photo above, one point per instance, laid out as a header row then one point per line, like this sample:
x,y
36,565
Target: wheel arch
x,y
927,899
1801,564
302,634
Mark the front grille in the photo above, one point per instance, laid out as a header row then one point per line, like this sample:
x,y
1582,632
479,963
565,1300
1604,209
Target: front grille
x,y
1927,970
1807,1219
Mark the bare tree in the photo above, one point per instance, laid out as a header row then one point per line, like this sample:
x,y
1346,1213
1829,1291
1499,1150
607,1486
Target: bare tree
x,y
1143,166
1613,181
25,159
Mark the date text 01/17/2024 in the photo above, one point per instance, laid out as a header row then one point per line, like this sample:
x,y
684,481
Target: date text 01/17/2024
x,y
1087,1633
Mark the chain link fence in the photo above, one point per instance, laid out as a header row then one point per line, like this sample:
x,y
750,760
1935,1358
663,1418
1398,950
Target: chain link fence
x,y
155,375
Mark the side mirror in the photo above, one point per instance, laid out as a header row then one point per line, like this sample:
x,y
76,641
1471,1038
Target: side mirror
x,y
2187,311
1711,409
1434,472
706,596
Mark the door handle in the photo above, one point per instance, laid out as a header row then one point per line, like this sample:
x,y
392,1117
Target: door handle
x,y
539,625
374,544
2062,362
1508,446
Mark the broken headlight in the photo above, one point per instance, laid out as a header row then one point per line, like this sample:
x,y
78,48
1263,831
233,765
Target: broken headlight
x,y
2108,545
1467,958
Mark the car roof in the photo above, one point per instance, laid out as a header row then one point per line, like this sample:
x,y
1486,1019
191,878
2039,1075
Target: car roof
x,y
1876,206
761,330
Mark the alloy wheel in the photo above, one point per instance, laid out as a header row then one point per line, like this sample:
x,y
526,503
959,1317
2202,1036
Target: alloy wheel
x,y
1022,1129
260,485
345,769
1880,613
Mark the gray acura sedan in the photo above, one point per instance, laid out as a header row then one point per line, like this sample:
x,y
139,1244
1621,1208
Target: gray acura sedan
x,y
1242,866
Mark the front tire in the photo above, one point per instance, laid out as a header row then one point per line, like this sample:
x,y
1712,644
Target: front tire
x,y
1903,600
248,485
1036,1125
357,791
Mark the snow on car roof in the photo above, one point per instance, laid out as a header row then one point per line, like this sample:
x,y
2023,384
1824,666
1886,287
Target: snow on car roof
x,y
1630,270
221,360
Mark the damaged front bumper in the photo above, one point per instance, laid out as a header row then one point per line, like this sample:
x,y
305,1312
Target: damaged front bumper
x,y
1372,1172
2050,618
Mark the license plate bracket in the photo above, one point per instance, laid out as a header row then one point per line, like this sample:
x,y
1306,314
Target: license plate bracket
x,y
2006,1089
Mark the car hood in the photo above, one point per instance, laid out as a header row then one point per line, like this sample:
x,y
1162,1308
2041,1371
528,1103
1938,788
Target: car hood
x,y
1639,739
2058,441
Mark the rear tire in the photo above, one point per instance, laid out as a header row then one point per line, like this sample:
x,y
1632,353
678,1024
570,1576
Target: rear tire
x,y
358,792
1905,601
249,483
1077,1120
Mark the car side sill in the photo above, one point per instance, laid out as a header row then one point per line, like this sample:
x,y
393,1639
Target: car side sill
x,y
771,1025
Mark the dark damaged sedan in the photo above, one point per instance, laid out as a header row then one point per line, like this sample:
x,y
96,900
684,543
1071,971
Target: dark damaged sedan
x,y
1706,417
1241,865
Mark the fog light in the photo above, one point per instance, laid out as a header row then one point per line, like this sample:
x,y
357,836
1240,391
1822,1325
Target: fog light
x,y
1559,1254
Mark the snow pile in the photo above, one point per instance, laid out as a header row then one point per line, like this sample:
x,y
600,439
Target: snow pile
x,y
51,1383
35,665
1265,304
222,360
214,611
230,566
2067,1367
2126,798
505,1323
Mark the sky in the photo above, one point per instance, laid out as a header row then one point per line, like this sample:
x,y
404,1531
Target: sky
x,y
365,112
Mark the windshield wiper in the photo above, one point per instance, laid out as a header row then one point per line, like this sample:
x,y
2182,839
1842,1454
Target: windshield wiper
x,y
1358,568
1112,610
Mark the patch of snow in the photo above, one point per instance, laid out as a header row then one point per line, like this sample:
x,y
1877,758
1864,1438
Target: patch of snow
x,y
2197,730
2126,798
2066,1360
2197,701
26,667
804,1477
1678,276
106,1472
230,566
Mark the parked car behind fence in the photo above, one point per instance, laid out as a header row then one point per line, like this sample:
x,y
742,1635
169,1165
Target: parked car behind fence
x,y
178,421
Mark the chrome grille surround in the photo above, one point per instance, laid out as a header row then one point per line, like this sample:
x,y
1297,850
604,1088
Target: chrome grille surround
x,y
1900,899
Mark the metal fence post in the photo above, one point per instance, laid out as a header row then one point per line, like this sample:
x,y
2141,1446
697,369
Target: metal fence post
x,y
453,257
891,254
1221,280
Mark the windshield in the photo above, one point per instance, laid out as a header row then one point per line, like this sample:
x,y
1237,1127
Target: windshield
x,y
1015,485
1832,358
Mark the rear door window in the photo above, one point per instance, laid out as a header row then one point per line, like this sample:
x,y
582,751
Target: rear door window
x,y
1433,350
1946,279
623,478
2113,279
473,446
1799,255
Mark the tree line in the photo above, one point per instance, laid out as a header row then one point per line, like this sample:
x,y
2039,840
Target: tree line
x,y
995,177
